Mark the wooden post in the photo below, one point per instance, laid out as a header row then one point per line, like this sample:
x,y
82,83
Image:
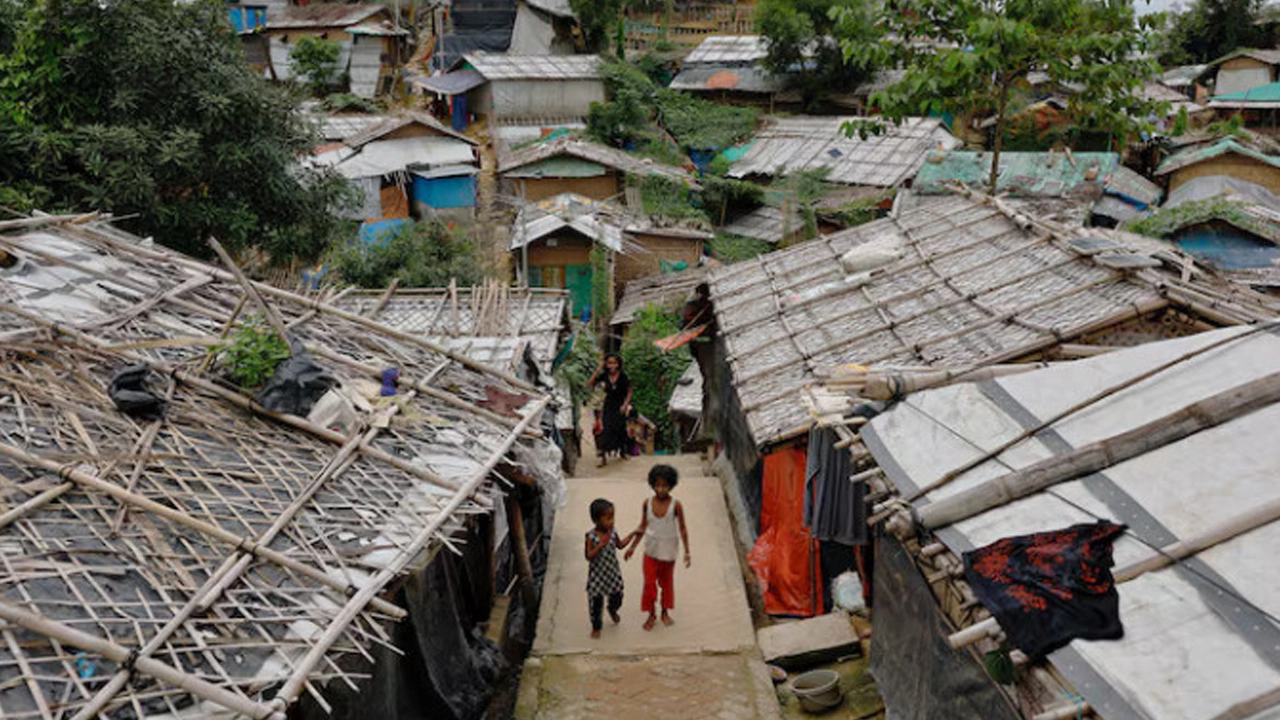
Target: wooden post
x,y
1214,410
520,548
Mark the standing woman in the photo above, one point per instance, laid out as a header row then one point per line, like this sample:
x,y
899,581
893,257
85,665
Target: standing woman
x,y
611,418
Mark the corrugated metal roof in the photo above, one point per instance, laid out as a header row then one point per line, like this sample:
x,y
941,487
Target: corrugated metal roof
x,y
807,143
341,127
1268,56
596,220
1194,155
766,223
392,124
723,77
663,289
535,67
721,50
1183,75
319,15
686,399
591,152
384,157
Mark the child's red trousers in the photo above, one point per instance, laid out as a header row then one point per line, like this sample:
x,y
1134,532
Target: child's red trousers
x,y
658,573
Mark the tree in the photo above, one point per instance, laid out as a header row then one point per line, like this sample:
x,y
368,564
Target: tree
x,y
147,109
1210,29
425,254
969,56
315,60
654,372
797,37
597,19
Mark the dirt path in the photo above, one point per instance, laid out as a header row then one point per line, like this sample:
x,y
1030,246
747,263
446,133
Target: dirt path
x,y
704,666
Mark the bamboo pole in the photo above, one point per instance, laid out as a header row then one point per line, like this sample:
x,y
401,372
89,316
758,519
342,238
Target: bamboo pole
x,y
519,545
1070,710
44,220
293,687
213,531
1250,708
35,503
1086,403
233,567
272,316
1209,412
120,654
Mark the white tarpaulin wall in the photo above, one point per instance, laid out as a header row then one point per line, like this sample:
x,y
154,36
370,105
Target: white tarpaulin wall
x,y
366,65
1198,639
545,98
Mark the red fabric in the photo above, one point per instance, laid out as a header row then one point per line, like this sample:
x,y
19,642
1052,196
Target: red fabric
x,y
658,573
785,556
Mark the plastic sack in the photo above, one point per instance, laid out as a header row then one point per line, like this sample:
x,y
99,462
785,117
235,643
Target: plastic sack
x,y
846,592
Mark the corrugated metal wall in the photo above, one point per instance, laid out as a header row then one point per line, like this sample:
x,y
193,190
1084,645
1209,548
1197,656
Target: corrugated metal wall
x,y
545,98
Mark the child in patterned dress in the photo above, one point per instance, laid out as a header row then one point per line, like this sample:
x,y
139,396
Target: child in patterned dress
x,y
604,576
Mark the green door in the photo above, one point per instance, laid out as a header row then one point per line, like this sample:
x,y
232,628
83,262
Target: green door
x,y
577,279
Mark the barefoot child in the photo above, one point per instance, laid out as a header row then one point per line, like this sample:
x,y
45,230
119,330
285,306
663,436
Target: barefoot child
x,y
604,577
661,517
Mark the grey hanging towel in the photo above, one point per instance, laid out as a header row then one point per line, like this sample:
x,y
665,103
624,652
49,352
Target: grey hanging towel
x,y
834,508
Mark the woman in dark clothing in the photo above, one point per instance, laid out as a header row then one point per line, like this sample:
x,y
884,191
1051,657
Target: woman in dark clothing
x,y
611,418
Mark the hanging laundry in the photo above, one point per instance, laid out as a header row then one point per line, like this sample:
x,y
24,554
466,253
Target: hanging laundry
x,y
1049,588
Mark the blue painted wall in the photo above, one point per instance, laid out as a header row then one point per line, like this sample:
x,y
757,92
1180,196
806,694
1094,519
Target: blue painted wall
x,y
247,17
445,192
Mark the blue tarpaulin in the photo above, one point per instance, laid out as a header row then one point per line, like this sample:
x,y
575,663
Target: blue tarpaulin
x,y
445,192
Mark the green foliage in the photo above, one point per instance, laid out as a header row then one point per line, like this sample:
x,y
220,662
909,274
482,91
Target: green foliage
x,y
1180,122
1166,221
658,150
722,197
699,124
861,211
425,254
795,33
735,248
601,287
654,373
597,18
1210,29
628,111
148,110
664,197
339,102
252,353
1228,127
315,60
578,364
635,103
966,57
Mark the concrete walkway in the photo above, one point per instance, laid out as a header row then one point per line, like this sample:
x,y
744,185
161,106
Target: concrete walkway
x,y
705,666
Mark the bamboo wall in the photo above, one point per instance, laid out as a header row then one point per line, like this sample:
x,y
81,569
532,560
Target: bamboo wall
x,y
672,249
601,187
1237,166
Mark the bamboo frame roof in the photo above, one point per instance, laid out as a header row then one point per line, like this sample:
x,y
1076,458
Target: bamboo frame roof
x,y
537,316
660,289
223,554
975,284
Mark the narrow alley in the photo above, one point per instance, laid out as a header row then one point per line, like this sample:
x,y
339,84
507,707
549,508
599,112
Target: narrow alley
x,y
706,665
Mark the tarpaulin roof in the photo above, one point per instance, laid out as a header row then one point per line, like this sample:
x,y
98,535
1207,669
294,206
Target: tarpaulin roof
x,y
450,83
319,15
722,50
384,157
1269,93
497,66
1037,174
1194,155
599,221
720,77
1200,637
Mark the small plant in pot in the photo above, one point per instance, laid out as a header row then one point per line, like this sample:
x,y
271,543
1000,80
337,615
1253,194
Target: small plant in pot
x,y
251,354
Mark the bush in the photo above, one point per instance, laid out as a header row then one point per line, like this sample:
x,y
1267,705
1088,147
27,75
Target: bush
x,y
425,254
735,248
251,356
654,373
315,60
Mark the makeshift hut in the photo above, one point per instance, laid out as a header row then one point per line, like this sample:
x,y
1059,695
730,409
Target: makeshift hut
x,y
177,545
543,27
408,165
1094,188
1223,157
890,159
951,282
730,69
666,290
1240,70
1257,106
518,89
990,476
685,407
371,42
569,165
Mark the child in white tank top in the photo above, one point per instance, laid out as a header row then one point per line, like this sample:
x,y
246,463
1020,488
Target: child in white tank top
x,y
663,529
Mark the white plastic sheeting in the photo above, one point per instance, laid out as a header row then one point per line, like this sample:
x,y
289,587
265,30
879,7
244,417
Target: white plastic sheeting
x,y
393,156
1185,654
545,99
366,65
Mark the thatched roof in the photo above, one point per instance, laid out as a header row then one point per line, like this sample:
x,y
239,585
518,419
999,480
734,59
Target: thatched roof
x,y
538,316
971,285
225,553
660,289
1200,637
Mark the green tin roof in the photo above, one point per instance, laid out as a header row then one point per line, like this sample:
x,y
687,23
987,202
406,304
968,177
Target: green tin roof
x,y
1263,93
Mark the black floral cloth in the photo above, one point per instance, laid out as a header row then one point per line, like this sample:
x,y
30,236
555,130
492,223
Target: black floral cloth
x,y
1049,588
